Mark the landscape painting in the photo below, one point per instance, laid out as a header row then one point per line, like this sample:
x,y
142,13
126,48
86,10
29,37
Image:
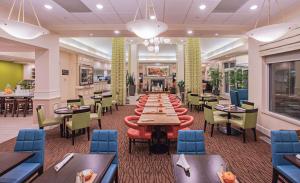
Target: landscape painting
x,y
160,71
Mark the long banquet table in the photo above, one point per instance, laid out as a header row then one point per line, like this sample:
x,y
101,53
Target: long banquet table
x,y
158,113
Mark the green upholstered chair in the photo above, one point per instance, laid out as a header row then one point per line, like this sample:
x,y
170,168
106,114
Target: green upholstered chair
x,y
213,103
196,102
97,115
212,119
248,121
85,101
80,120
44,122
107,103
116,101
74,102
245,105
188,98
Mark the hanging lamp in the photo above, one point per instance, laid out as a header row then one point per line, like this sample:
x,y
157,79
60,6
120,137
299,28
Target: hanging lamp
x,y
149,27
270,32
19,28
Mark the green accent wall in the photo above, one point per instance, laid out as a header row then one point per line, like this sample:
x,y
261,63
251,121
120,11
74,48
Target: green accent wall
x,y
10,73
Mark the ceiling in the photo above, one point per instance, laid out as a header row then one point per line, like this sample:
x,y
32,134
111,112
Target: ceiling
x,y
81,17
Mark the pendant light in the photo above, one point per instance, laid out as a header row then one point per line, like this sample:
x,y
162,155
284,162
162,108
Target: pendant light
x,y
149,27
270,32
19,28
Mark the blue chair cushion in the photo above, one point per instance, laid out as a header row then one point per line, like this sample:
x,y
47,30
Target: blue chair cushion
x,y
190,142
234,98
110,174
20,173
243,94
290,171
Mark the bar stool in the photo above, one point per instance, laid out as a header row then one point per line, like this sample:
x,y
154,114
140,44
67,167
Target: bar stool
x,y
9,105
2,105
21,104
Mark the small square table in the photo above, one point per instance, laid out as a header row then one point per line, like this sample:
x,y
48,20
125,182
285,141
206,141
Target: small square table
x,y
9,160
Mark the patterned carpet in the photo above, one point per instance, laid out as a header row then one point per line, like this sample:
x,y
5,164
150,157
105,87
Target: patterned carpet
x,y
250,161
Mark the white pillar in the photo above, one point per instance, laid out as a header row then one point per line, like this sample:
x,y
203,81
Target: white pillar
x,y
134,64
180,62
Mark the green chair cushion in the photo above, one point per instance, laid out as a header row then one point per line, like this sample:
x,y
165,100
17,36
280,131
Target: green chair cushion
x,y
94,116
219,119
51,121
238,122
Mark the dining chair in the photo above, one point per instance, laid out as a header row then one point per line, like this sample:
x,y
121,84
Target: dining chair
x,y
196,102
212,119
138,111
248,121
21,105
2,102
74,102
181,111
80,120
284,142
116,102
136,132
44,122
9,105
85,101
244,105
28,140
104,142
188,98
107,103
213,103
190,142
98,115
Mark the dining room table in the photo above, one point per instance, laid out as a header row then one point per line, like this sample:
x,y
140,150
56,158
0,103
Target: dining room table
x,y
10,160
229,110
158,114
98,163
203,168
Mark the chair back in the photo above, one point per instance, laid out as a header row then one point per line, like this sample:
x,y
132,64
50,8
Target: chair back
x,y
81,99
97,93
81,119
105,141
99,110
212,103
250,118
107,101
181,111
41,115
194,99
31,140
208,114
283,142
138,111
128,121
234,98
247,105
188,121
74,102
190,142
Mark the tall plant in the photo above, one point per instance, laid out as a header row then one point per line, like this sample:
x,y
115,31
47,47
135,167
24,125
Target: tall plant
x,y
215,78
130,79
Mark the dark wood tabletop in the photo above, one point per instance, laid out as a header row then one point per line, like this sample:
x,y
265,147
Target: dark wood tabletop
x,y
9,160
66,110
292,159
228,109
204,169
99,163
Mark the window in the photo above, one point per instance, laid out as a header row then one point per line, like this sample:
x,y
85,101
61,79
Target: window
x,y
285,88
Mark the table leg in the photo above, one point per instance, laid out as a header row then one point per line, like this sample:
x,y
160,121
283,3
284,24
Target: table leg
x,y
158,147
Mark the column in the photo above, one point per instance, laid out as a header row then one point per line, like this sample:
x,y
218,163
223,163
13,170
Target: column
x,y
134,64
180,62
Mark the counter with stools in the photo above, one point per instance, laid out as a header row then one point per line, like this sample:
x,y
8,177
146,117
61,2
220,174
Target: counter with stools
x,y
21,105
9,106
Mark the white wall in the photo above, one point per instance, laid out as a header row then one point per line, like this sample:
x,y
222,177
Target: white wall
x,y
27,71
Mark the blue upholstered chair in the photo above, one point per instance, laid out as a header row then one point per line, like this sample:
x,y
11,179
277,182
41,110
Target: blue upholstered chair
x,y
234,97
106,141
242,95
284,143
190,142
29,140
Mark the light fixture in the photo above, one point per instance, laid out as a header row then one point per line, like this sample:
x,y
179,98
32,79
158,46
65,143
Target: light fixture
x,y
99,6
91,34
47,6
202,7
216,34
152,17
19,28
117,32
270,32
146,28
190,32
253,7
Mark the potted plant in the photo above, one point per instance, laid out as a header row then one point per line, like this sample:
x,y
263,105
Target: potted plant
x,y
131,84
181,85
215,80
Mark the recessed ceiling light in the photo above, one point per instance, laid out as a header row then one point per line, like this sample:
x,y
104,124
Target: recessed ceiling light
x,y
152,17
99,6
47,6
202,7
131,40
117,32
190,32
91,34
253,7
182,40
216,34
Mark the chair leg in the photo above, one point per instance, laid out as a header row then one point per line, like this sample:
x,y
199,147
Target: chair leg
x,y
117,107
149,146
99,123
110,108
88,133
67,133
168,143
254,133
212,130
205,123
244,135
73,137
275,176
61,130
117,176
41,170
129,145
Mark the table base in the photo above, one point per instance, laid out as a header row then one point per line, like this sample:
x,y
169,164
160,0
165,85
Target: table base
x,y
159,148
234,132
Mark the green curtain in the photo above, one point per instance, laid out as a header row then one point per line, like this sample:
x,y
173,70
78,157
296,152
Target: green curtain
x,y
193,69
117,70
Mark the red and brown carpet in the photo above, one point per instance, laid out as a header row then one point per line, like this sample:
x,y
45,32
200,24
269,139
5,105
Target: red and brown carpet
x,y
250,161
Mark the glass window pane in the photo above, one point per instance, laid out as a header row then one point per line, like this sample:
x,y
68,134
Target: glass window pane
x,y
285,88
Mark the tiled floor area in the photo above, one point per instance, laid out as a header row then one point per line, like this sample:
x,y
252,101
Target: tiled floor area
x,y
10,126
